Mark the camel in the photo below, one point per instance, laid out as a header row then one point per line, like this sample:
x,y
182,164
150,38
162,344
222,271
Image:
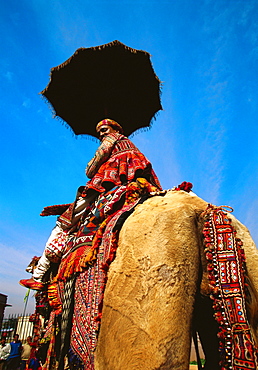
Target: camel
x,y
153,286
158,290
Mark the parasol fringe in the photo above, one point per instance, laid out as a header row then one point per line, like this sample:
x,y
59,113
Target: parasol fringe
x,y
54,116
49,105
77,136
140,130
100,47
93,138
146,128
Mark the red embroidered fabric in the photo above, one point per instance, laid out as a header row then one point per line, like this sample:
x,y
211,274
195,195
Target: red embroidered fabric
x,y
124,164
227,277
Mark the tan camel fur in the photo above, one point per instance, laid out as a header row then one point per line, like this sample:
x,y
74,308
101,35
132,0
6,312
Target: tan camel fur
x,y
150,293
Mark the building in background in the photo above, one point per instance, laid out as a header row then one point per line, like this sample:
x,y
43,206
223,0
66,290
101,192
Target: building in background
x,y
3,304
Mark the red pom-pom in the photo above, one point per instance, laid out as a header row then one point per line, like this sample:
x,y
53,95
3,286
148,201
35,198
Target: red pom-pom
x,y
186,186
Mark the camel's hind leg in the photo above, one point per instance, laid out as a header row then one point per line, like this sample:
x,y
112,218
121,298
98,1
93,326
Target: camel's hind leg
x,y
207,328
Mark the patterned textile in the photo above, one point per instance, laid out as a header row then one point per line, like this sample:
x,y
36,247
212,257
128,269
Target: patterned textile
x,y
64,210
80,250
87,257
117,160
67,310
54,249
227,274
49,328
89,294
50,336
66,217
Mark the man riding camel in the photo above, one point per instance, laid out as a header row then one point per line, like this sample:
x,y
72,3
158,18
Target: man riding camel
x,y
117,161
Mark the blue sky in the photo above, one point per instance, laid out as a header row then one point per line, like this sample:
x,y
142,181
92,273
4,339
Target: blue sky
x,y
204,51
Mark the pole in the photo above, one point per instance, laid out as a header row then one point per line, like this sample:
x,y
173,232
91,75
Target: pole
x,y
26,298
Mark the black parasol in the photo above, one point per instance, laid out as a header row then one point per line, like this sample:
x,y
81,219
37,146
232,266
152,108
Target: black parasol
x,y
108,81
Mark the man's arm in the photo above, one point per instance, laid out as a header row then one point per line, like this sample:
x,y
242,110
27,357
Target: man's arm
x,y
102,154
6,351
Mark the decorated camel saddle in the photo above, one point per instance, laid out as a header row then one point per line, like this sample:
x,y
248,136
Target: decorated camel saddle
x,y
146,270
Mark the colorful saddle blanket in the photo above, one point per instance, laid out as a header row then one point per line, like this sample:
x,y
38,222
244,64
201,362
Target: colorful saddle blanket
x,y
81,279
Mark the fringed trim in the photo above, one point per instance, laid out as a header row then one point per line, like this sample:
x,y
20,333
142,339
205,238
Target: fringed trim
x,y
76,261
227,278
147,128
54,115
98,48
53,297
83,257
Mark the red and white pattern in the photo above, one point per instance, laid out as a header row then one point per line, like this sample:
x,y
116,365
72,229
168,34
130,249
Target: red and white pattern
x,y
227,274
118,158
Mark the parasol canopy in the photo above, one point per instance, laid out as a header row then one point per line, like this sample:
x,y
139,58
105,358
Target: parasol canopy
x,y
108,81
